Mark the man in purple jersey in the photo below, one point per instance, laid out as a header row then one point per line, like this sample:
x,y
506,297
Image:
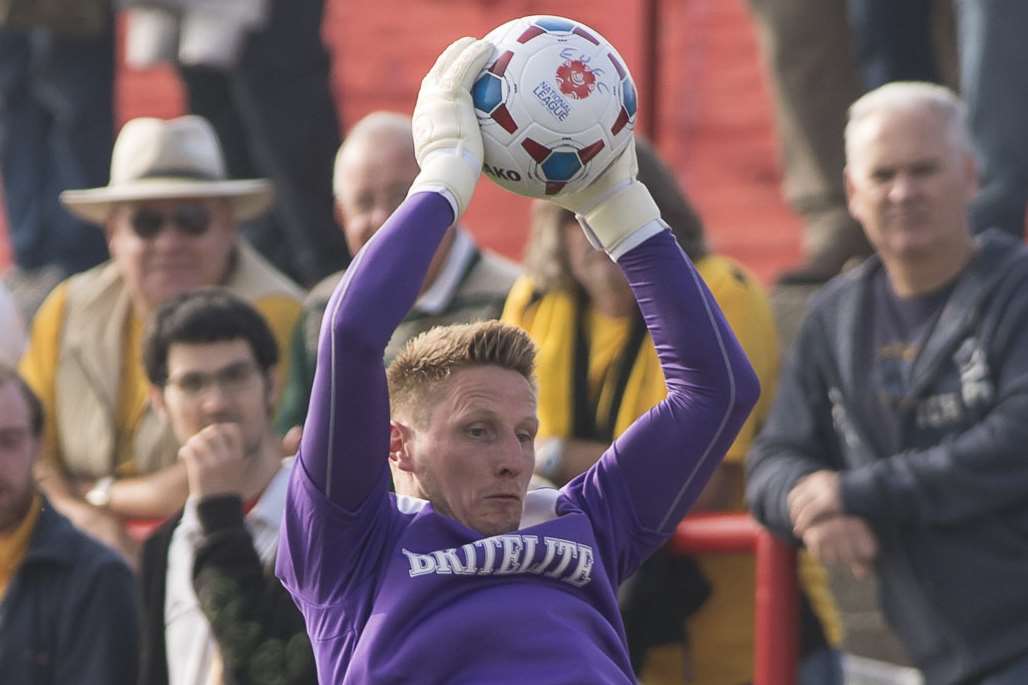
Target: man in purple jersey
x,y
475,580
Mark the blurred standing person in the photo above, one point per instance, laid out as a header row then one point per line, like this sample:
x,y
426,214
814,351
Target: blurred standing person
x,y
806,47
56,130
994,84
259,72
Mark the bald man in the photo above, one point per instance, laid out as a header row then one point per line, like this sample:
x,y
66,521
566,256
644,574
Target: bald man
x,y
374,169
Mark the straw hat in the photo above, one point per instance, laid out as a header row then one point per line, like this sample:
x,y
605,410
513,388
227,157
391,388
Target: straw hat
x,y
157,159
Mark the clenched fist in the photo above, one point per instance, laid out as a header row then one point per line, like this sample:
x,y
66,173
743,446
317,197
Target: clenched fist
x,y
215,461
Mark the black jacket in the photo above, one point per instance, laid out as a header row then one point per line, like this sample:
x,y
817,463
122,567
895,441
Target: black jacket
x,y
260,632
948,500
69,614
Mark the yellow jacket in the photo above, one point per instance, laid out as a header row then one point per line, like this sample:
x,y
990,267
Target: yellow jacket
x,y
84,361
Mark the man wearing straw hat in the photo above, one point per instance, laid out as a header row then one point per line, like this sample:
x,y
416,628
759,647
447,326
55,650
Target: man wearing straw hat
x,y
170,217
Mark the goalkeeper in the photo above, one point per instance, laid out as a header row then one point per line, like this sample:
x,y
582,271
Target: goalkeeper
x,y
467,577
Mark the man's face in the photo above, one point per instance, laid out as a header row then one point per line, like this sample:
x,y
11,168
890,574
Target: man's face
x,y
376,174
473,456
18,448
167,247
909,183
218,382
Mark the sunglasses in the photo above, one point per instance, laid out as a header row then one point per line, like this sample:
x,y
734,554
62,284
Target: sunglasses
x,y
189,219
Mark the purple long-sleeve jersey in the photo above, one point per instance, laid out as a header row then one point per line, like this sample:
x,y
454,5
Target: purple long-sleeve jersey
x,y
393,591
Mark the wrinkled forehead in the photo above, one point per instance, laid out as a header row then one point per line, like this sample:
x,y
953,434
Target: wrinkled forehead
x,y
486,387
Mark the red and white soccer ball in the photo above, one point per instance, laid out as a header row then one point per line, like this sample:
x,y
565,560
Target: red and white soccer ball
x,y
556,105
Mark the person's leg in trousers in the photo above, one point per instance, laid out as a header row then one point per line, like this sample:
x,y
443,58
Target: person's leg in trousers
x,y
806,47
76,83
993,55
211,93
284,97
893,41
24,155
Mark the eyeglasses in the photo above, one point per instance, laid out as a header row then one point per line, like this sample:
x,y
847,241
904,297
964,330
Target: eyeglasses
x,y
190,219
232,379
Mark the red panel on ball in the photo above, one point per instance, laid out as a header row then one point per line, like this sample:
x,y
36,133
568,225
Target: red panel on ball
x,y
620,123
530,33
500,65
538,151
587,153
502,117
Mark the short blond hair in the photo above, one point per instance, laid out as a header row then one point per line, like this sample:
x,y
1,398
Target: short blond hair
x,y
435,355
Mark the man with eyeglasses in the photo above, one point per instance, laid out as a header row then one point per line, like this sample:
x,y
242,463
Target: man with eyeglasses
x,y
170,217
214,611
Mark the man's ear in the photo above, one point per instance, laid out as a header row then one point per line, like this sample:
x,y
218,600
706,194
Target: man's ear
x,y
157,401
274,389
401,439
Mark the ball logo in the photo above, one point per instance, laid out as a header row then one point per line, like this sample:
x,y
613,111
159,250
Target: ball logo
x,y
576,79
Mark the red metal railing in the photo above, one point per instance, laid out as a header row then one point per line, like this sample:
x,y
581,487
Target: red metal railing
x,y
776,608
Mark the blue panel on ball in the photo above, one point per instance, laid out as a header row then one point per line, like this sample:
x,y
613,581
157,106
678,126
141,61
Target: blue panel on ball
x,y
628,97
561,166
487,93
555,24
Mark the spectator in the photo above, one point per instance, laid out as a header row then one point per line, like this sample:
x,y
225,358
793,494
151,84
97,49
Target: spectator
x,y
215,612
56,128
170,220
373,172
389,584
259,72
67,602
598,372
896,442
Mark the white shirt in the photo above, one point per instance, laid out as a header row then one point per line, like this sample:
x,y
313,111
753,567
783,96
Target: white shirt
x,y
438,296
188,640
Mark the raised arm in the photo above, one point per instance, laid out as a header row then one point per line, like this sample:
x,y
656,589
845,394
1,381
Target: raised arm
x,y
346,435
669,454
649,477
345,440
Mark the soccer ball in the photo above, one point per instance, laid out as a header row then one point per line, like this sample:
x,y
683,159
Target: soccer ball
x,y
556,105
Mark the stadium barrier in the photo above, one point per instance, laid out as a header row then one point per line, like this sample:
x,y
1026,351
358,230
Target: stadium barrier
x,y
776,630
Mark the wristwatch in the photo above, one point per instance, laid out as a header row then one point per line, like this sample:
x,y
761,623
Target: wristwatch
x,y
100,494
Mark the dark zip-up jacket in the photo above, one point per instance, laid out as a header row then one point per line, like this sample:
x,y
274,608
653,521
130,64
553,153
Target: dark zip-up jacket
x,y
949,498
69,614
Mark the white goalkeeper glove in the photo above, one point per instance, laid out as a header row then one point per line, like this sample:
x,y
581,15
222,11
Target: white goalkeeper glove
x,y
447,139
616,211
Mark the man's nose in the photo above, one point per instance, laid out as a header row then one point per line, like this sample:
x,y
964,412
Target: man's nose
x,y
215,399
903,187
511,459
